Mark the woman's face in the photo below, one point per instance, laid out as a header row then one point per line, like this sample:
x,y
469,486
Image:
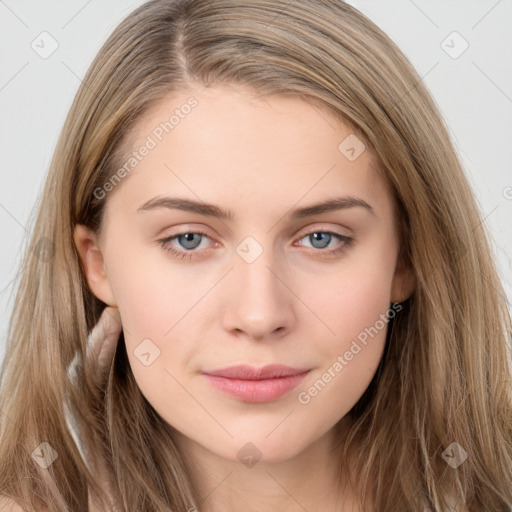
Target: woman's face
x,y
274,279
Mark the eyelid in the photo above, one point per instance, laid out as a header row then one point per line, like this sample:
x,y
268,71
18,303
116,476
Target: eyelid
x,y
183,229
323,228
301,234
344,240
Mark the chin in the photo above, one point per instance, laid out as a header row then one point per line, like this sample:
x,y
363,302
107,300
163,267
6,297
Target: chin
x,y
258,449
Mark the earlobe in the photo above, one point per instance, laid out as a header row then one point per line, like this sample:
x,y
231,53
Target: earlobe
x,y
404,282
86,242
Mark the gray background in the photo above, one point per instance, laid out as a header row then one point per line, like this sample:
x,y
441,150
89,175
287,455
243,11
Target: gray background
x,y
473,90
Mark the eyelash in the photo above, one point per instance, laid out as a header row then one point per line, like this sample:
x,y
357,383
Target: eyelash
x,y
347,242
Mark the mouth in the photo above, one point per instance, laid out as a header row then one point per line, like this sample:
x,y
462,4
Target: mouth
x,y
256,385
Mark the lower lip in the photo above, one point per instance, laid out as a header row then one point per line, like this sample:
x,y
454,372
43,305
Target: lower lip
x,y
256,391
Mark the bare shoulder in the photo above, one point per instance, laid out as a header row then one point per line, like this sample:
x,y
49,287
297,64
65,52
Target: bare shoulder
x,y
9,505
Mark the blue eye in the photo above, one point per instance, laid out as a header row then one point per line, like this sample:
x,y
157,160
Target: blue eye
x,y
190,240
324,237
190,243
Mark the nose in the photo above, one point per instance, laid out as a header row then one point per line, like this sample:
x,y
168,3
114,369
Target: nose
x,y
260,304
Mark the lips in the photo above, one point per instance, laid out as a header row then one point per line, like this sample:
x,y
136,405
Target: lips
x,y
256,385
246,372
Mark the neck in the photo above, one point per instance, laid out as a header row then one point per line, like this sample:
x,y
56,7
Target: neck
x,y
311,479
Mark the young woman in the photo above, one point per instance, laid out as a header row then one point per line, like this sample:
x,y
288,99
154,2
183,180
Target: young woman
x,y
258,280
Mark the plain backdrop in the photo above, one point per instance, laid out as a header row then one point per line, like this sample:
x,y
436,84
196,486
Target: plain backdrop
x,y
461,49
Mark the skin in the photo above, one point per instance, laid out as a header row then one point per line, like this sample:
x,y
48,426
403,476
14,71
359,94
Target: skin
x,y
294,305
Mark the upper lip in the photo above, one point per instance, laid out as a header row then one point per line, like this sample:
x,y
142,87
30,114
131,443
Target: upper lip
x,y
246,372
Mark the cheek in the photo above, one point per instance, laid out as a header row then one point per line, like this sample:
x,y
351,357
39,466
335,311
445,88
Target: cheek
x,y
354,316
354,304
159,303
156,304
353,297
153,293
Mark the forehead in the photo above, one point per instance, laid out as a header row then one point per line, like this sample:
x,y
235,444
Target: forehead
x,y
227,144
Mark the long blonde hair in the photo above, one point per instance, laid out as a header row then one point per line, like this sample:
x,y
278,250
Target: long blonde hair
x,y
445,375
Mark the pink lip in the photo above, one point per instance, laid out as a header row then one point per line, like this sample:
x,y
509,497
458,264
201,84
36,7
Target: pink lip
x,y
256,385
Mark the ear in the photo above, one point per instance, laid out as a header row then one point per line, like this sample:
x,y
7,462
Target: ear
x,y
404,281
86,241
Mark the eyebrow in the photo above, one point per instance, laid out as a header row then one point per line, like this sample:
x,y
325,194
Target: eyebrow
x,y
210,210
